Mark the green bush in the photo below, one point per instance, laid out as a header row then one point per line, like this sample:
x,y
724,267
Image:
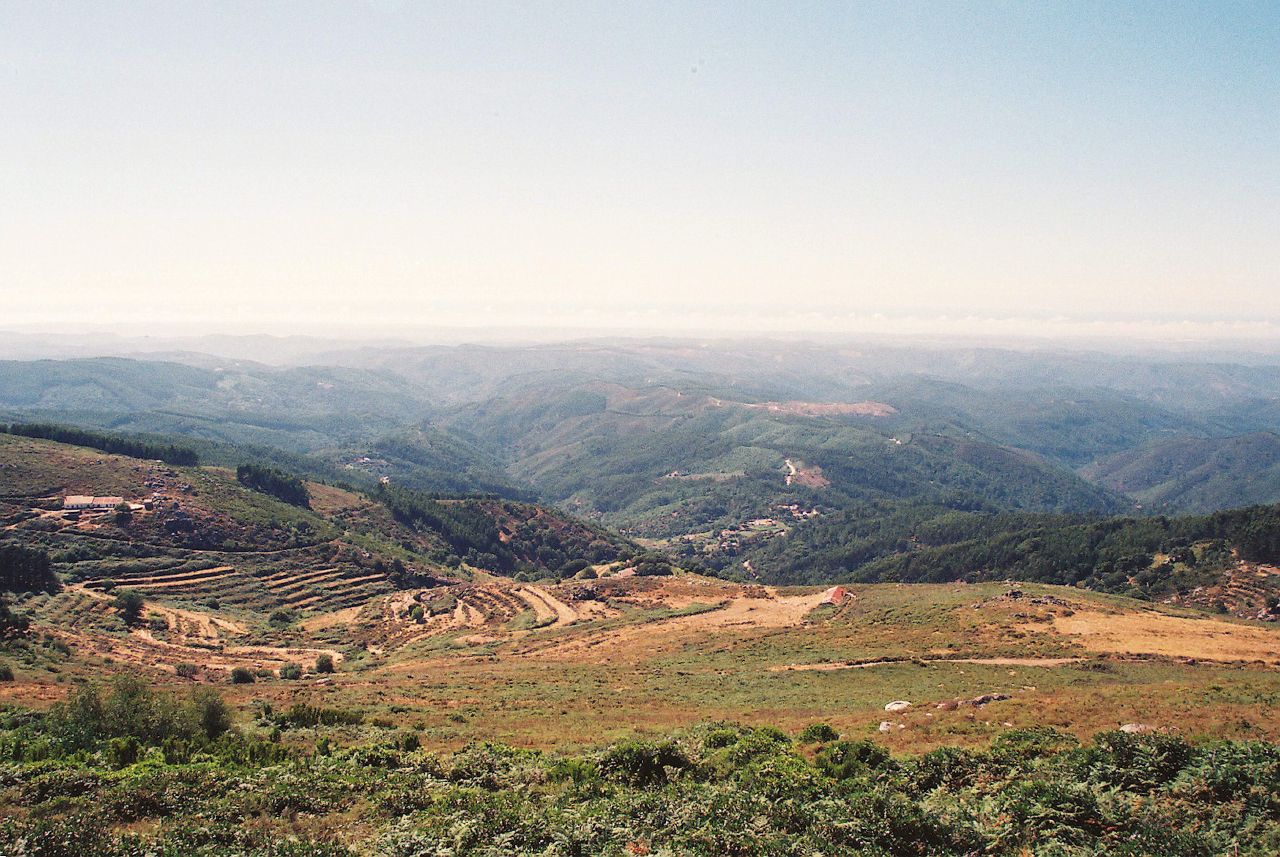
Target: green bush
x,y
129,707
1028,793
818,733
211,712
242,675
303,715
186,670
324,664
1139,762
281,618
845,760
290,672
6,672
641,763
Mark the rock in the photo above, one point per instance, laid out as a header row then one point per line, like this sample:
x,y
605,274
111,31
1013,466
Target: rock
x,y
886,726
898,705
949,705
1137,728
979,701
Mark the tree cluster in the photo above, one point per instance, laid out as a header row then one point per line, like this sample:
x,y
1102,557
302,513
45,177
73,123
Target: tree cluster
x,y
277,483
133,448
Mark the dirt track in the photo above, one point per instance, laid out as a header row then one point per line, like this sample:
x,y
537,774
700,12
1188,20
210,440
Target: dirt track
x,y
1000,662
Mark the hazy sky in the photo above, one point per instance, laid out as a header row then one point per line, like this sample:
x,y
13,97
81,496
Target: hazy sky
x,y
290,166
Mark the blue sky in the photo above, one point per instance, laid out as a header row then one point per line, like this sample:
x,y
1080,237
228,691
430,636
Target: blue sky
x,y
292,164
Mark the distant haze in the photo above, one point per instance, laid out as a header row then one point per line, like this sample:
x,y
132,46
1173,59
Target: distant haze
x,y
1097,171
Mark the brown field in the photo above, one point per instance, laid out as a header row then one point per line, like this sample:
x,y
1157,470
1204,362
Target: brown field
x,y
588,661
1154,633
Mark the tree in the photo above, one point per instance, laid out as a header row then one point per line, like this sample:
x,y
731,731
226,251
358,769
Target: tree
x,y
129,605
168,453
277,483
26,569
324,664
653,565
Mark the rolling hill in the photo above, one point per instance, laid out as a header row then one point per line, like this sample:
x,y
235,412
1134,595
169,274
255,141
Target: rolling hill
x,y
1195,474
663,462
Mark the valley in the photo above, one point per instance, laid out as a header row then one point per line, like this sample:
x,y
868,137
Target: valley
x,y
568,574
467,653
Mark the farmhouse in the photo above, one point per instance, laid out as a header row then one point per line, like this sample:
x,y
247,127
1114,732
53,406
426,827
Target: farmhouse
x,y
81,501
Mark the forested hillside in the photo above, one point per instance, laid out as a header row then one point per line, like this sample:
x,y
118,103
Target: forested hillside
x,y
668,439
1141,556
1195,474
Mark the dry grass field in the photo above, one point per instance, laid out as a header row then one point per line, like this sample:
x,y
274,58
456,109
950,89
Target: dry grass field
x,y
590,661
459,654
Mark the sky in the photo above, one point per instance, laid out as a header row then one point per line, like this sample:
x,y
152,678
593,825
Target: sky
x,y
299,167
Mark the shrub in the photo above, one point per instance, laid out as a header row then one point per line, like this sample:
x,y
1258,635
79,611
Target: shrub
x,y
301,715
242,675
847,759
281,618
818,733
1135,761
642,763
12,624
949,767
211,712
291,672
130,708
324,664
185,670
6,672
122,752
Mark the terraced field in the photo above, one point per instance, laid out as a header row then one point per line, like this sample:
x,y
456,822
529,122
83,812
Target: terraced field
x,y
458,653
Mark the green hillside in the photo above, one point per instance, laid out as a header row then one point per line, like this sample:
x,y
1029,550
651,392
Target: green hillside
x,y
661,461
1195,474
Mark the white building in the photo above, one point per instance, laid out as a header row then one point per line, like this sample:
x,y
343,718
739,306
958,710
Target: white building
x,y
82,501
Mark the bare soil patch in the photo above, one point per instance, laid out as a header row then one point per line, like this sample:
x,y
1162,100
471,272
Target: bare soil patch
x,y
828,409
1154,633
